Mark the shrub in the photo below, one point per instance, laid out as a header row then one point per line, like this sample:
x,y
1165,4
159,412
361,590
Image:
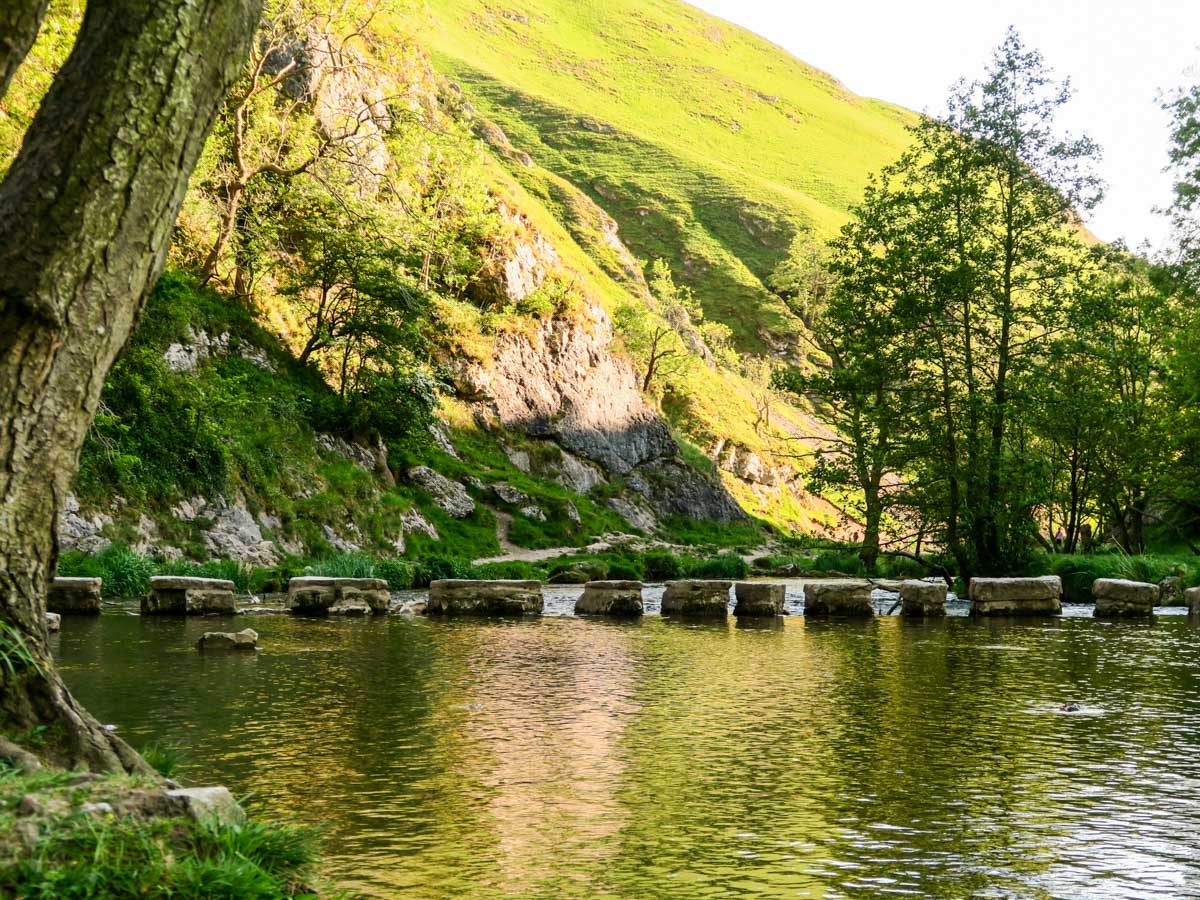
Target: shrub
x,y
399,574
125,573
724,566
623,571
435,568
662,566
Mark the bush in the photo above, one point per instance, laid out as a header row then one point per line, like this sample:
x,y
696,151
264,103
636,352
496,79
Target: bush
x,y
622,571
662,566
399,574
125,573
343,565
724,566
436,568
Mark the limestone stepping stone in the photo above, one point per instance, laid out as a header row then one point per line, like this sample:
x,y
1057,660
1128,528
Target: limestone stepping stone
x,y
173,595
610,598
245,640
53,622
697,599
1192,598
1016,596
1117,598
922,599
321,595
74,596
757,599
468,597
838,599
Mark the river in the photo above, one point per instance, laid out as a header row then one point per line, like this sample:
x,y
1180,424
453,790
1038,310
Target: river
x,y
568,757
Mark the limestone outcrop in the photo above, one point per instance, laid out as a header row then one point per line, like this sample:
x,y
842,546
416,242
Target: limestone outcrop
x,y
171,595
842,599
1117,598
922,599
74,596
758,599
1016,596
321,595
450,496
466,597
697,599
610,598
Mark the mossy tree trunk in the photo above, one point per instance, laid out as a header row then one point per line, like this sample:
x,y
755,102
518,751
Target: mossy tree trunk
x,y
88,208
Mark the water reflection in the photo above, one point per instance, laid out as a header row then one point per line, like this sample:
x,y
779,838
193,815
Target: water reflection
x,y
571,757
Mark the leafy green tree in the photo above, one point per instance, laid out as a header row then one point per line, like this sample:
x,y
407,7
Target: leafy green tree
x,y
665,340
802,278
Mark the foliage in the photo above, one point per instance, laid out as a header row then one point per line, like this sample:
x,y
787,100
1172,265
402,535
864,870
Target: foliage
x,y
165,759
126,573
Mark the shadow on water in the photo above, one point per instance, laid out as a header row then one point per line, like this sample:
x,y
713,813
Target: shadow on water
x,y
564,757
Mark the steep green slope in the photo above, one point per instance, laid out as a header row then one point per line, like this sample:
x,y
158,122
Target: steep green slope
x,y
709,145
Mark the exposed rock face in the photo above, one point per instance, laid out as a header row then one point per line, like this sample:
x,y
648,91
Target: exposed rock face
x,y
506,493
636,516
316,594
756,599
461,597
234,532
449,495
1117,598
530,259
697,599
199,347
244,641
174,596
80,531
74,596
674,488
610,598
372,459
848,599
922,599
1016,596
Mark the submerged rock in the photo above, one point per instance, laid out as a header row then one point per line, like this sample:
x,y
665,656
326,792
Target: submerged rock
x,y
74,596
610,598
757,599
1118,598
172,595
1016,596
850,599
922,598
697,599
464,597
245,640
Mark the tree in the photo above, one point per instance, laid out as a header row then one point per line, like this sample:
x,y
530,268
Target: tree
x,y
802,279
89,202
663,339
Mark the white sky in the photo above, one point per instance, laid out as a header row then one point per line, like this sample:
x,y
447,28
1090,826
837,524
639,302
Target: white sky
x,y
1118,54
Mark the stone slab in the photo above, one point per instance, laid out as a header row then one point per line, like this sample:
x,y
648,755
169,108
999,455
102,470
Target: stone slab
x,y
74,596
697,599
1118,598
757,599
922,599
847,599
468,597
1016,596
610,598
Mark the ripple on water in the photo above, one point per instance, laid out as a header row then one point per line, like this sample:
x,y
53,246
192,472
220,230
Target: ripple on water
x,y
566,757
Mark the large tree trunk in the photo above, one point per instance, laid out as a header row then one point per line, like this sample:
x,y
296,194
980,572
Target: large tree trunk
x,y
87,212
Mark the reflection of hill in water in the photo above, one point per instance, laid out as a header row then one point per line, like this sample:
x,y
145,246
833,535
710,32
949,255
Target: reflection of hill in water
x,y
565,757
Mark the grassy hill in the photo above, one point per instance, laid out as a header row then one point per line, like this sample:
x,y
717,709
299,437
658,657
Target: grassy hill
x,y
709,145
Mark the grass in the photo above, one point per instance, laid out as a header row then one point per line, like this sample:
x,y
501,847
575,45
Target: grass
x,y
1078,571
68,853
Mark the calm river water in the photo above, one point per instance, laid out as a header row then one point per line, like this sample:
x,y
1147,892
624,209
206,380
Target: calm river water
x,y
566,757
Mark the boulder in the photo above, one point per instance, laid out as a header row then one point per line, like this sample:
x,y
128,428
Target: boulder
x,y
322,595
697,599
224,641
1192,597
758,599
1016,596
53,621
466,597
1118,598
506,493
610,598
74,596
850,599
211,805
1170,591
450,496
922,598
172,595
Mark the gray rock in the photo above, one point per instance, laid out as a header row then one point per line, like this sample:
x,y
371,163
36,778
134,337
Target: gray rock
x,y
610,598
533,512
318,594
848,599
53,621
696,599
74,596
172,595
1016,596
214,805
922,599
636,516
674,488
80,531
1117,598
1192,598
450,496
484,598
230,532
1170,591
506,493
245,640
576,474
757,599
